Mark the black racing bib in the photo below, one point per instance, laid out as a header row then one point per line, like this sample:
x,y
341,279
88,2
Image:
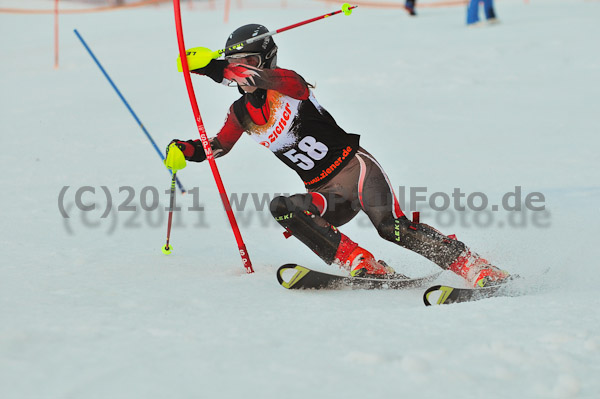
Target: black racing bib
x,y
302,134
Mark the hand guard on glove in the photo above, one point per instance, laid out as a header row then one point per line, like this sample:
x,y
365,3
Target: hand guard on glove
x,y
192,149
213,70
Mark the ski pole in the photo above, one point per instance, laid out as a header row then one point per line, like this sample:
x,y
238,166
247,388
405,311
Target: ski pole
x,y
199,57
126,103
206,144
174,161
167,249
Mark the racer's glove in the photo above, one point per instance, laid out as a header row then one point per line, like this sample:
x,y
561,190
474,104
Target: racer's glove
x,y
213,70
192,149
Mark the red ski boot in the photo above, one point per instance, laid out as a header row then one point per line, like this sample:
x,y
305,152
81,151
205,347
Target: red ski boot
x,y
363,264
477,271
359,261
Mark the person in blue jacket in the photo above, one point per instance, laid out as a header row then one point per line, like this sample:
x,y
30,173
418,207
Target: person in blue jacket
x,y
409,6
473,11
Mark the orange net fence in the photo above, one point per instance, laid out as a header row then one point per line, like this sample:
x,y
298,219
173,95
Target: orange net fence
x,y
239,3
112,7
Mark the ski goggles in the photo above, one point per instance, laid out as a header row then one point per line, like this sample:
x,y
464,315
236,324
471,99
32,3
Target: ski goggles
x,y
252,59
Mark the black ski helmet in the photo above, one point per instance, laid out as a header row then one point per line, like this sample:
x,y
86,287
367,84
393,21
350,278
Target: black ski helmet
x,y
266,47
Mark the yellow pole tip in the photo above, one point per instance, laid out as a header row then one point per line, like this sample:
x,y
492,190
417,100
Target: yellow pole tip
x,y
346,9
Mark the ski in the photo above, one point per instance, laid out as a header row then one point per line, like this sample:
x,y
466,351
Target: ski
x,y
448,295
305,278
515,285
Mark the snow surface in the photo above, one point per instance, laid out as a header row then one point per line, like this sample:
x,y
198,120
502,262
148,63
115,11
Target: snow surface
x,y
91,308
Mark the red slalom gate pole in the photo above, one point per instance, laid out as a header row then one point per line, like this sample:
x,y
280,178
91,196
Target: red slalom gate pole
x,y
346,9
56,34
205,143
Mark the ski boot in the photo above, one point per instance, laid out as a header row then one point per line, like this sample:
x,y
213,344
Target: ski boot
x,y
363,264
359,261
477,271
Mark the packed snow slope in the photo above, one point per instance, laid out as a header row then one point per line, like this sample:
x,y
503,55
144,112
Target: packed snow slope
x,y
91,308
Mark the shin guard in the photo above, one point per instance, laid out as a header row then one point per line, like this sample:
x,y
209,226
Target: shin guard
x,y
307,226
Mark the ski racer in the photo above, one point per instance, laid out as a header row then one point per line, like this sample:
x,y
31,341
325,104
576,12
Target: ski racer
x,y
278,110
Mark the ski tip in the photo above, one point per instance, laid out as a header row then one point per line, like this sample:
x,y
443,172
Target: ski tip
x,y
282,269
444,291
299,273
428,292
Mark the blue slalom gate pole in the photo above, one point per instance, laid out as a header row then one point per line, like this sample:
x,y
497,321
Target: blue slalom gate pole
x,y
160,154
